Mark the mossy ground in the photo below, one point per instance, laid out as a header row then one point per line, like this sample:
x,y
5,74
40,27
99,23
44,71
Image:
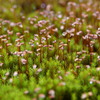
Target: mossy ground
x,y
50,50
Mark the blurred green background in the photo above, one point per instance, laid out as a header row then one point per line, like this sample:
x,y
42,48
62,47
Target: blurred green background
x,y
29,6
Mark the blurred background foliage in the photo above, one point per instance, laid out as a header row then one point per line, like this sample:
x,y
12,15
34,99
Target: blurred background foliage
x,y
28,6
17,7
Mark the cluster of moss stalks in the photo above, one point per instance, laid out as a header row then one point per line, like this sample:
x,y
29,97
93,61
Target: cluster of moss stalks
x,y
50,53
